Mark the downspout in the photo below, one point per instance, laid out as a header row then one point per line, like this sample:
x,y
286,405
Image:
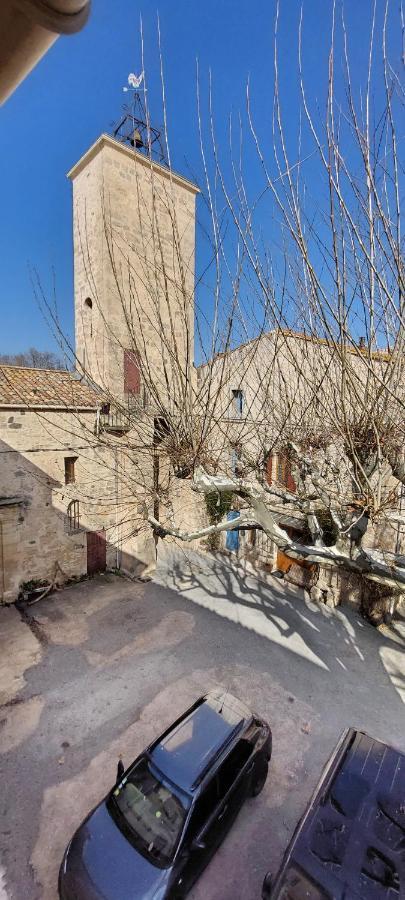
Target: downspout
x,y
399,526
27,29
117,548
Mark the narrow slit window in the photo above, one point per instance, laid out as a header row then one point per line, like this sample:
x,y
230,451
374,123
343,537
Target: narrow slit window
x,y
88,318
236,455
73,515
70,477
237,403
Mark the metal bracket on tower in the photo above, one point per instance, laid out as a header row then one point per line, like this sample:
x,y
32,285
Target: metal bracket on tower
x,y
134,127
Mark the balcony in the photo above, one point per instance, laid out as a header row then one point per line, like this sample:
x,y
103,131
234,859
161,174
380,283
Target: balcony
x,y
113,422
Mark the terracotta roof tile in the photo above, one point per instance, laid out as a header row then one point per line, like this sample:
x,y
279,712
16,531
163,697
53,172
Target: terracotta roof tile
x,y
21,386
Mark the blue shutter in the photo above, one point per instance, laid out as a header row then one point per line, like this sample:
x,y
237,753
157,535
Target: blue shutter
x,y
232,537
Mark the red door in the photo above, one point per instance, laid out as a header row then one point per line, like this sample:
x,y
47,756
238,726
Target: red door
x,y
96,552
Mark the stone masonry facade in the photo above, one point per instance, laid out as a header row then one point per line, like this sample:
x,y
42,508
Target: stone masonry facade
x,y
134,243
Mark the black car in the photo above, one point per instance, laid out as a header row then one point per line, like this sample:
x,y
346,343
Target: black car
x,y
157,829
349,844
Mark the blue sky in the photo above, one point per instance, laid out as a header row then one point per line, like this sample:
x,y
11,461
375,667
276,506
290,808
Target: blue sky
x,y
75,93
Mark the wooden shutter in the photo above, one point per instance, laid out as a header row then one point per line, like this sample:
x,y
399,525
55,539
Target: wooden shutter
x,y
289,481
269,468
132,375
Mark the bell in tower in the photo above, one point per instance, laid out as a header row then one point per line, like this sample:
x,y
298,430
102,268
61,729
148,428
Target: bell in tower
x,y
134,127
136,139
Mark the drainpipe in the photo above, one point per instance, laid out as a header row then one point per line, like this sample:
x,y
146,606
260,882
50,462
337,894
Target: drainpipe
x,y
398,541
117,541
27,29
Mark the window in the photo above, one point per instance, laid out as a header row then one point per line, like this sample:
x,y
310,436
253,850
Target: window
x,y
237,403
232,766
132,375
89,306
73,515
284,474
236,454
145,808
278,470
160,430
203,809
70,469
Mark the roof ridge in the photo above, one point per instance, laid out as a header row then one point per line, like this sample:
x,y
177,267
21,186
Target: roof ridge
x,y
36,368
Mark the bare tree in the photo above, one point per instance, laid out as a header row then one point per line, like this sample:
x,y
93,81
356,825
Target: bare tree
x,y
333,395
33,359
305,323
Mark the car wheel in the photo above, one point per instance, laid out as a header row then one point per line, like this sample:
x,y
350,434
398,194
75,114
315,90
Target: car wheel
x,y
259,777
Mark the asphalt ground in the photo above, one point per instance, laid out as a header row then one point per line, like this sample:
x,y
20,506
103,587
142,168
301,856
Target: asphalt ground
x,y
102,667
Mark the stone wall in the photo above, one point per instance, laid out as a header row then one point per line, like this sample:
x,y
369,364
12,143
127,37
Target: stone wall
x,y
134,243
35,532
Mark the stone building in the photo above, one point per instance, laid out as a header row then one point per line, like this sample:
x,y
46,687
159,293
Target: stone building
x,y
282,386
78,467
73,486
43,446
134,245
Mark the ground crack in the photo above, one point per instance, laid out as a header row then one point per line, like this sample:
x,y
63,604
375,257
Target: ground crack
x,y
37,629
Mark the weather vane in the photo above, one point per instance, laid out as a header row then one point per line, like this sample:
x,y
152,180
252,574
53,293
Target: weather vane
x,y
134,127
134,81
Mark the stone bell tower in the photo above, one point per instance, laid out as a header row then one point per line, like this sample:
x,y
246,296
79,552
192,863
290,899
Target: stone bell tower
x,y
134,246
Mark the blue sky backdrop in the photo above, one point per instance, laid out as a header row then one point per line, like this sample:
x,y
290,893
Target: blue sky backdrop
x,y
75,94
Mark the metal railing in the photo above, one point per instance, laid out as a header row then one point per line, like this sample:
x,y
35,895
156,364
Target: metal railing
x,y
114,421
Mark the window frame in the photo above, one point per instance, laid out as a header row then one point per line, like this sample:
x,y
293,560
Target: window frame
x,y
238,400
240,771
223,800
194,833
70,478
127,828
278,470
88,305
73,516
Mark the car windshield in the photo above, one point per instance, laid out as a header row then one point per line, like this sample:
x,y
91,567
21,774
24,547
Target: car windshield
x,y
149,813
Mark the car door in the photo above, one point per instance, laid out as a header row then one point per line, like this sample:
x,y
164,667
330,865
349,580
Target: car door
x,y
213,814
234,777
200,838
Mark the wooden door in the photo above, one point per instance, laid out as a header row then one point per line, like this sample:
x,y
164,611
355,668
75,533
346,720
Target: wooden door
x,y
96,552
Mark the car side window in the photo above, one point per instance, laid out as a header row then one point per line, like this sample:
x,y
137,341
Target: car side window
x,y
204,807
230,768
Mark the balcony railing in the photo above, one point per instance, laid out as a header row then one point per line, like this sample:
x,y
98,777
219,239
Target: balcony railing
x,y
114,422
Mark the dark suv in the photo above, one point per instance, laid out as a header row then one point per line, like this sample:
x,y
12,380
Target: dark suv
x,y
350,842
154,833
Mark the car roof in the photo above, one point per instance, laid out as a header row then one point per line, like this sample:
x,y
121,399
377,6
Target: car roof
x,y
348,843
188,750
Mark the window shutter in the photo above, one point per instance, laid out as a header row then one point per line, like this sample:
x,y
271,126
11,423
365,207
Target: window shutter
x,y
132,375
290,483
269,468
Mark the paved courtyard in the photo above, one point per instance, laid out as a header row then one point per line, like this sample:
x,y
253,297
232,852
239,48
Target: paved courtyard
x,y
105,665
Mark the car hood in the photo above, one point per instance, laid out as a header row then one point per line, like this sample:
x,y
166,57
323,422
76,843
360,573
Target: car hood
x,y
100,864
